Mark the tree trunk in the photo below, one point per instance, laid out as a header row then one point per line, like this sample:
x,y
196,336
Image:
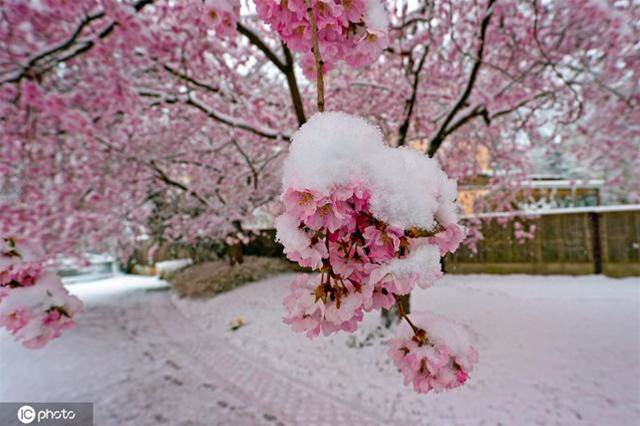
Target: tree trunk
x,y
235,250
235,254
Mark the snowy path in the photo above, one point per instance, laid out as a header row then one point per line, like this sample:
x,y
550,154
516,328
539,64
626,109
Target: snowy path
x,y
143,363
120,358
554,350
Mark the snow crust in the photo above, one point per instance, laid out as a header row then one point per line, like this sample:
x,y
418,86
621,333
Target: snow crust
x,y
556,350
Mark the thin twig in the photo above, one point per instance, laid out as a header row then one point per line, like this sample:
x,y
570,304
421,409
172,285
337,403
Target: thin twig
x,y
409,105
422,233
316,53
48,59
417,331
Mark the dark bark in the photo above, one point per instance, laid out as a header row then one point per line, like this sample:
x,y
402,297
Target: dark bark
x,y
235,250
445,129
235,253
285,67
409,105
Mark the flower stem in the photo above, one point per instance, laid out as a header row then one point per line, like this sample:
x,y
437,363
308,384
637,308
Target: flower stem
x,y
421,233
417,331
316,53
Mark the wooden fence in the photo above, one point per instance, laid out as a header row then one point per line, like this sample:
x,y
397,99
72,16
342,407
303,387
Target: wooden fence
x,y
567,241
583,240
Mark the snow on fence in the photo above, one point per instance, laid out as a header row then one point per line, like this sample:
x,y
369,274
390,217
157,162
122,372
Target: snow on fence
x,y
565,210
582,240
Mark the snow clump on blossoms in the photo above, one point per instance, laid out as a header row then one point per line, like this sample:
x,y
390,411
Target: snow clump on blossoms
x,y
354,31
437,357
401,186
372,220
34,305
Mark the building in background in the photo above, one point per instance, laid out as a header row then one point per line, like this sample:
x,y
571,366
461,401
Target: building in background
x,y
536,192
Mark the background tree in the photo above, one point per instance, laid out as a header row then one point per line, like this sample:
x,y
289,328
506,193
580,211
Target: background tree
x,y
114,113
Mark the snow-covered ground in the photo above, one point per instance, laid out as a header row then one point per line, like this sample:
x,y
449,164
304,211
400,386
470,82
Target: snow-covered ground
x,y
553,350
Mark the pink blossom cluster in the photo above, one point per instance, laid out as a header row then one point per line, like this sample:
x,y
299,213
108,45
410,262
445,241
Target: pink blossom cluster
x,y
237,238
433,353
521,234
354,31
363,262
34,305
223,15
373,222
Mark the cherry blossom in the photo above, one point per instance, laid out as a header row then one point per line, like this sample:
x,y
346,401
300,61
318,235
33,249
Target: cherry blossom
x,y
93,94
313,307
20,263
432,353
122,120
354,31
331,223
521,233
223,14
449,239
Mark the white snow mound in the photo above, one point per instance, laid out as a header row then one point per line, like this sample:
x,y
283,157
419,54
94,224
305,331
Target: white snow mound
x,y
408,188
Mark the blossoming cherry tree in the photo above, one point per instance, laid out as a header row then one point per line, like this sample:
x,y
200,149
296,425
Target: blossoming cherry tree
x,y
370,220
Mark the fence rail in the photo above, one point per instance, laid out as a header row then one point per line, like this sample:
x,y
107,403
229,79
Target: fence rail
x,y
583,240
569,241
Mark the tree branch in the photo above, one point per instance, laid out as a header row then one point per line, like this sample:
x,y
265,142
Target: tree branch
x,y
316,53
444,130
290,73
220,117
229,121
419,333
554,68
481,111
166,179
257,41
159,173
248,161
191,80
408,107
285,67
69,43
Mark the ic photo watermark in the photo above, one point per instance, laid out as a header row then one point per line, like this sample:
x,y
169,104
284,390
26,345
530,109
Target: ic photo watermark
x,y
46,414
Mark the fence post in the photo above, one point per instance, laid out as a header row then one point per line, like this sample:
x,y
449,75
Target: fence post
x,y
596,242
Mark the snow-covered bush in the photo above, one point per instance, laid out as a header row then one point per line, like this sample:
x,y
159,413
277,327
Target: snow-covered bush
x,y
373,221
34,305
